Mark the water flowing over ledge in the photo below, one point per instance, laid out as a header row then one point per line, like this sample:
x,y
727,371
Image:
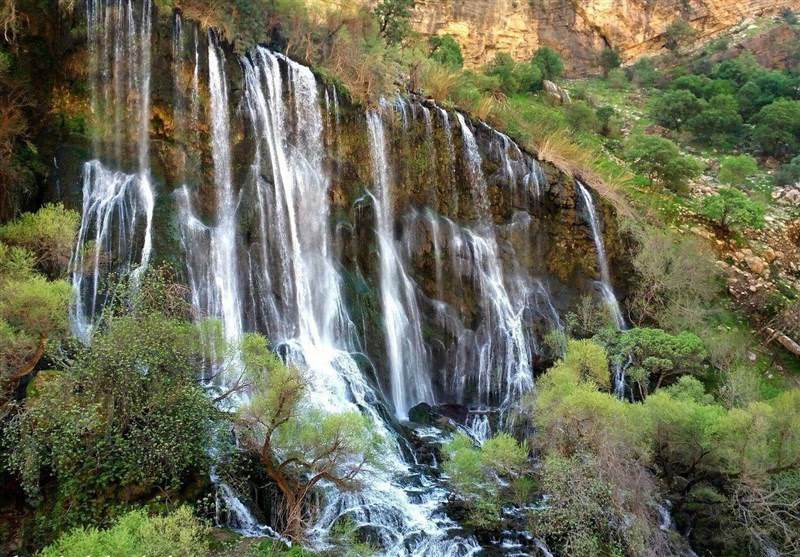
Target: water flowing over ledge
x,y
389,285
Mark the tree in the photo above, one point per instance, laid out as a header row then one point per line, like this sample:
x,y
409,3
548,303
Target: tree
x,y
730,207
504,68
660,159
395,19
104,429
446,50
581,117
297,445
675,279
719,123
549,62
788,174
487,476
610,59
674,108
588,361
736,171
644,73
50,234
678,35
777,129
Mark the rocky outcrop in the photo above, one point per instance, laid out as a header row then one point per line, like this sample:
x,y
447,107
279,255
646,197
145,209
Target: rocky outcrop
x,y
578,29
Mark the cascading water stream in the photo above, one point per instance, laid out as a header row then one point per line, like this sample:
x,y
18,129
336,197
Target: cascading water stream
x,y
117,207
602,262
409,370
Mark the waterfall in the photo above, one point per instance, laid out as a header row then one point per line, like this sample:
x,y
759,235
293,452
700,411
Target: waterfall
x,y
408,360
602,262
117,206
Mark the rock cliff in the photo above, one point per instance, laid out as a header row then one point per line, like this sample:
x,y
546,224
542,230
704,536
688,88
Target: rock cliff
x,y
578,29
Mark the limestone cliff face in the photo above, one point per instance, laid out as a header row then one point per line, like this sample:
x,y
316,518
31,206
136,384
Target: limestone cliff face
x,y
577,28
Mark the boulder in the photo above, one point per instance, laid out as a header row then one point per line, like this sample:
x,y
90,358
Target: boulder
x,y
423,413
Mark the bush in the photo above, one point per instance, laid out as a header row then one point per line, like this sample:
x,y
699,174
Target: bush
x,y
135,534
719,123
788,174
732,208
678,35
643,72
588,361
549,62
581,117
446,50
617,79
736,171
674,108
777,129
610,59
660,160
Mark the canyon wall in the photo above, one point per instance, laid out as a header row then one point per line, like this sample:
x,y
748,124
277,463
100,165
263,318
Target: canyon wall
x,y
577,29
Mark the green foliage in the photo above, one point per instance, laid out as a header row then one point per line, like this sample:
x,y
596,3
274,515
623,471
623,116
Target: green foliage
x,y
395,19
788,174
50,234
617,79
673,109
736,171
730,207
678,35
675,280
719,123
299,445
644,72
513,77
660,160
610,59
653,356
777,129
178,534
108,423
488,476
446,50
549,62
588,361
581,117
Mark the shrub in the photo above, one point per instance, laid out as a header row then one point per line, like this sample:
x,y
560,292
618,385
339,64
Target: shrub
x,y
549,62
644,73
730,207
660,160
446,50
777,129
788,174
719,123
178,534
610,59
736,171
581,117
617,79
678,35
588,361
674,108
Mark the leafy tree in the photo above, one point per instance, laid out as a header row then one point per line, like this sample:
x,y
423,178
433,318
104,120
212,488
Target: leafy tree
x,y
135,534
610,59
588,361
549,62
730,207
719,123
678,35
674,108
653,356
660,159
504,68
485,477
108,422
395,19
736,171
675,279
777,128
446,50
297,445
50,234
740,70
581,117
644,73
